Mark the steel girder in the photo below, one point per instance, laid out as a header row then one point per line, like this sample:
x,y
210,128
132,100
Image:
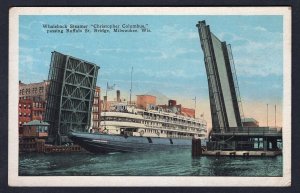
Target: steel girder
x,y
71,94
224,106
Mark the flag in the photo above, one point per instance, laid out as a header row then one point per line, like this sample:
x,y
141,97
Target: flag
x,y
112,87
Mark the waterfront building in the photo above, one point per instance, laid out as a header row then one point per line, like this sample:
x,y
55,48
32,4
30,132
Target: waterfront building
x,y
145,101
178,108
250,122
30,110
25,107
35,91
96,109
32,136
32,101
188,112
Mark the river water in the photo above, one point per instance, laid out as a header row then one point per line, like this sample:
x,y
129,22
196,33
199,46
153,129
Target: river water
x,y
159,163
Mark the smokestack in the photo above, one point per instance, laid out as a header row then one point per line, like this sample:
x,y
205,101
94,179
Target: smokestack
x,y
172,103
105,102
118,96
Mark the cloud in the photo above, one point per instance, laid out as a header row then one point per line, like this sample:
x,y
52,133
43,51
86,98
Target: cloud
x,y
170,53
258,58
174,32
257,55
27,62
29,26
23,36
259,28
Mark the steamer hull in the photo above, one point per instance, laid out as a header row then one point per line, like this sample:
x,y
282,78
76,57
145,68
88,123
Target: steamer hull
x,y
104,143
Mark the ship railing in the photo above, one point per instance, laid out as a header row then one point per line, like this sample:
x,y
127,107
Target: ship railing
x,y
174,122
252,130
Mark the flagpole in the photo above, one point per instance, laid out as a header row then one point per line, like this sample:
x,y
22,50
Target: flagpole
x,y
106,96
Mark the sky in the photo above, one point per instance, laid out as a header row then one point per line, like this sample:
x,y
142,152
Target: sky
x,y
169,59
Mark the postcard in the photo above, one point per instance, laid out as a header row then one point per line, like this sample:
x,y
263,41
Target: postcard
x,y
150,96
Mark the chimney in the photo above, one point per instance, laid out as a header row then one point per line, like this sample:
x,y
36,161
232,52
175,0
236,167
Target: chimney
x,y
105,102
172,103
118,96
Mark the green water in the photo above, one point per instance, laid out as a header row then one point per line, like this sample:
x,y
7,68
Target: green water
x,y
161,163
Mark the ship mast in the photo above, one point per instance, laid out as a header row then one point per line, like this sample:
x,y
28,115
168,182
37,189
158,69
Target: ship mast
x,y
130,86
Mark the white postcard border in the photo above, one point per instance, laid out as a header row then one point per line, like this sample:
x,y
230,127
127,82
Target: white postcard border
x,y
114,181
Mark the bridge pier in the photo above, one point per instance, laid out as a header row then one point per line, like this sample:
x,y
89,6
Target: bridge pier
x,y
196,147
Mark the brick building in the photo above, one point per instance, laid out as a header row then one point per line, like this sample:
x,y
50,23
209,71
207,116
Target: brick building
x,y
178,108
30,110
145,101
188,112
35,91
32,136
25,107
32,101
96,109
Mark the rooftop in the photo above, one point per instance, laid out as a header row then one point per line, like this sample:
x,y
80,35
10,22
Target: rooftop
x,y
36,123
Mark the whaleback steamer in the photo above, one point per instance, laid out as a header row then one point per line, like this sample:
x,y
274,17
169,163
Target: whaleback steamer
x,y
126,128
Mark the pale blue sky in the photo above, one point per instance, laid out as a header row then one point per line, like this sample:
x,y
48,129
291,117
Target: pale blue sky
x,y
169,59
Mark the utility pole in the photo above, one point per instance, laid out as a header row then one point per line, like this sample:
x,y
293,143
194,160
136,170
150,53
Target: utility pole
x,y
130,86
267,115
275,116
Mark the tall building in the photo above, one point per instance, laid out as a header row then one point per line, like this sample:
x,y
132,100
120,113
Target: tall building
x,y
32,101
96,109
35,91
25,107
70,97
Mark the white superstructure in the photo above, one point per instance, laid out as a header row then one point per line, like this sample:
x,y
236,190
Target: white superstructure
x,y
128,120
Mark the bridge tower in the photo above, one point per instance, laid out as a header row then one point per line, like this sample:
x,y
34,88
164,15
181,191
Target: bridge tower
x,y
70,95
225,103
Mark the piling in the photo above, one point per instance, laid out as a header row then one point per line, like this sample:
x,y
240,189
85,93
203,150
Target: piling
x,y
196,147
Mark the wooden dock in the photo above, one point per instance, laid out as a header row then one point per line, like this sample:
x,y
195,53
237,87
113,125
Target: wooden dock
x,y
242,153
39,146
61,149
